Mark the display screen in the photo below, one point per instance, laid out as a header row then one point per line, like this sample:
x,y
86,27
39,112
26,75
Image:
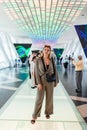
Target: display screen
x,y
82,34
23,50
58,51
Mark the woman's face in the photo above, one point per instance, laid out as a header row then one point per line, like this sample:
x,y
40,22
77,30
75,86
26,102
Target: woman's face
x,y
46,51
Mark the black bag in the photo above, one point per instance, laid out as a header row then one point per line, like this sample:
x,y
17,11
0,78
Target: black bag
x,y
50,78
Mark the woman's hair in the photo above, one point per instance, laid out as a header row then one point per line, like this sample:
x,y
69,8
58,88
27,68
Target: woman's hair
x,y
48,46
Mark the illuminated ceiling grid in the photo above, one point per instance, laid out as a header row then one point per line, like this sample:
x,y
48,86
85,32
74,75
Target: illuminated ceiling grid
x,y
43,19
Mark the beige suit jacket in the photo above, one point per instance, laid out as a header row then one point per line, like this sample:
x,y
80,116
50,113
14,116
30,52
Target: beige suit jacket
x,y
40,73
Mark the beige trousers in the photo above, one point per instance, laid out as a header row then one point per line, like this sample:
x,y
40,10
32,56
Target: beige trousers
x,y
48,92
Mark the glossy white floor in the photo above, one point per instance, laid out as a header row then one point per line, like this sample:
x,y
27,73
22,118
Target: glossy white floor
x,y
17,112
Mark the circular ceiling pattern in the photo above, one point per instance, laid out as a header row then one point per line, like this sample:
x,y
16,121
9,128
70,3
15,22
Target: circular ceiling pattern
x,y
44,20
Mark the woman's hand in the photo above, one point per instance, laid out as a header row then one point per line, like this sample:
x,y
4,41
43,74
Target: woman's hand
x,y
55,84
39,86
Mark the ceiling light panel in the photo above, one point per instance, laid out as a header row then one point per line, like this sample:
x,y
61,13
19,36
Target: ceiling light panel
x,y
44,20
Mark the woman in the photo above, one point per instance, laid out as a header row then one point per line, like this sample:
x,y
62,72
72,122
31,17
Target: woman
x,y
43,86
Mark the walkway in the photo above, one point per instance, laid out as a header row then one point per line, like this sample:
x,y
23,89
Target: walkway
x,y
16,113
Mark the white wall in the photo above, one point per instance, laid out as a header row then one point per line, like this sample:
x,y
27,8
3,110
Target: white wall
x,y
8,53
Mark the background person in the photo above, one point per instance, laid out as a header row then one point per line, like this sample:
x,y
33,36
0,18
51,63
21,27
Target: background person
x,y
33,78
30,60
78,68
66,62
44,87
